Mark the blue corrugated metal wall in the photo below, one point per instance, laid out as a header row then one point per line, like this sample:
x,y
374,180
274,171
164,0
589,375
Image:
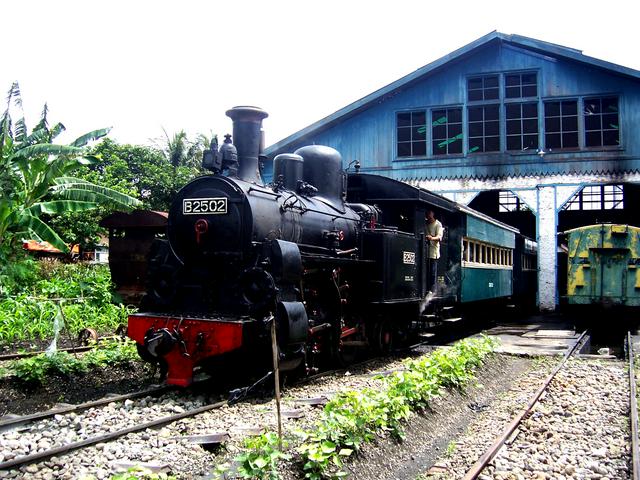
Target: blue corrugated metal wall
x,y
369,135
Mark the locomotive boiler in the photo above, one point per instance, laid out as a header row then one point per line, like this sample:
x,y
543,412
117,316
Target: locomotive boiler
x,y
337,261
240,253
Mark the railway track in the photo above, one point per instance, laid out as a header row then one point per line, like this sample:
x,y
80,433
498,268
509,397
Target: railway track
x,y
62,414
88,338
28,424
18,420
511,431
633,410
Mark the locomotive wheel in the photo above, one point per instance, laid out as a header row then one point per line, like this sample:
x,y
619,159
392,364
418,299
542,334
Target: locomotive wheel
x,y
343,353
382,338
87,336
346,355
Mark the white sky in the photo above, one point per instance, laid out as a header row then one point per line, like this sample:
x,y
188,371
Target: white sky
x,y
140,65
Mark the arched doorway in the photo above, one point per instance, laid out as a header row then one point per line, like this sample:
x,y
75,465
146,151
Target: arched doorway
x,y
507,207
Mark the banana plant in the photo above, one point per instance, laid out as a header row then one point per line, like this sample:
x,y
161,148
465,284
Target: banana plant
x,y
36,177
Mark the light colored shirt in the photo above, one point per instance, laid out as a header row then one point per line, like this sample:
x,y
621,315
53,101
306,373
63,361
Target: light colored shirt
x,y
436,230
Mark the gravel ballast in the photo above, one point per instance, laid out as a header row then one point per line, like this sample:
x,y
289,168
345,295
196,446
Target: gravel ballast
x,y
427,434
578,430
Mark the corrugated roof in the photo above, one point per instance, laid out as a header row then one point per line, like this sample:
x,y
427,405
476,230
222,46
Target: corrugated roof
x,y
532,44
136,218
38,246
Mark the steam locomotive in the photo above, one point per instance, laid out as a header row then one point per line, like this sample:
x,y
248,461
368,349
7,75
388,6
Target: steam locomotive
x,y
337,261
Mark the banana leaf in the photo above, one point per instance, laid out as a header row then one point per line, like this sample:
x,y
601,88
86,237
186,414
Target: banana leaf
x,y
89,137
71,188
60,206
47,149
44,232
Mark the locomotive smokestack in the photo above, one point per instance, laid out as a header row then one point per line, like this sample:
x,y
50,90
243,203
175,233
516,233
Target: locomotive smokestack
x,y
247,123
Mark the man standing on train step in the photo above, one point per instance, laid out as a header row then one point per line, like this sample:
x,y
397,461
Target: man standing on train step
x,y
434,231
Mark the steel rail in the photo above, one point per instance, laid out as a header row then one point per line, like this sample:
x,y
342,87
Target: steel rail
x,y
76,349
633,404
27,459
83,406
14,356
63,449
484,460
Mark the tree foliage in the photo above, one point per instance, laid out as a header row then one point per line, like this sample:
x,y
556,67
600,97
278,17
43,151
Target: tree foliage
x,y
37,177
140,171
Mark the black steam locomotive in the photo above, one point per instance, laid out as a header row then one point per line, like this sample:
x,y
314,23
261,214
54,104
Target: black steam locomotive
x,y
337,261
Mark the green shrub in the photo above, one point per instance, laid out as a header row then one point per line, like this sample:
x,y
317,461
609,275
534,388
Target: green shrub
x,y
353,418
29,313
261,457
36,369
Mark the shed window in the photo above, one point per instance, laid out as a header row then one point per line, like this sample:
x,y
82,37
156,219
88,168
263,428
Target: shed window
x,y
597,197
601,122
483,88
520,85
522,126
484,128
561,124
411,129
446,131
508,202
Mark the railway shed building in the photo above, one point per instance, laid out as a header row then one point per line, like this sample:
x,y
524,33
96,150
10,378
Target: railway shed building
x,y
534,134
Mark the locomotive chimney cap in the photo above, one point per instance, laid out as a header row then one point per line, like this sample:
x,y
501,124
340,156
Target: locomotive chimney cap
x,y
246,112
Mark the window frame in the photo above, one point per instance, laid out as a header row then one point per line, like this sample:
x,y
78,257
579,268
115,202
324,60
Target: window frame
x,y
503,103
397,142
521,98
507,195
603,196
462,135
560,117
479,254
583,116
484,135
522,136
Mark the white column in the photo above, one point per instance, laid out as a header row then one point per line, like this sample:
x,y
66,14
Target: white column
x,y
547,226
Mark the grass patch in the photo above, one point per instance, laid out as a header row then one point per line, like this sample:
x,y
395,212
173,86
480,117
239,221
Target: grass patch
x,y
35,370
28,310
352,419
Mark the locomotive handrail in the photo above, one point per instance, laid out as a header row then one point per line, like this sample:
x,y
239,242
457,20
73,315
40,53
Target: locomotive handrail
x,y
266,192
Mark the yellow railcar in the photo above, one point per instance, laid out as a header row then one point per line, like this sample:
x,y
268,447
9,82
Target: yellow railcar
x,y
604,265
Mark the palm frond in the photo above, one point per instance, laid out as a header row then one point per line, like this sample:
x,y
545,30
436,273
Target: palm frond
x,y
44,232
89,137
20,131
14,94
6,140
47,149
61,206
71,188
57,129
37,136
43,124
